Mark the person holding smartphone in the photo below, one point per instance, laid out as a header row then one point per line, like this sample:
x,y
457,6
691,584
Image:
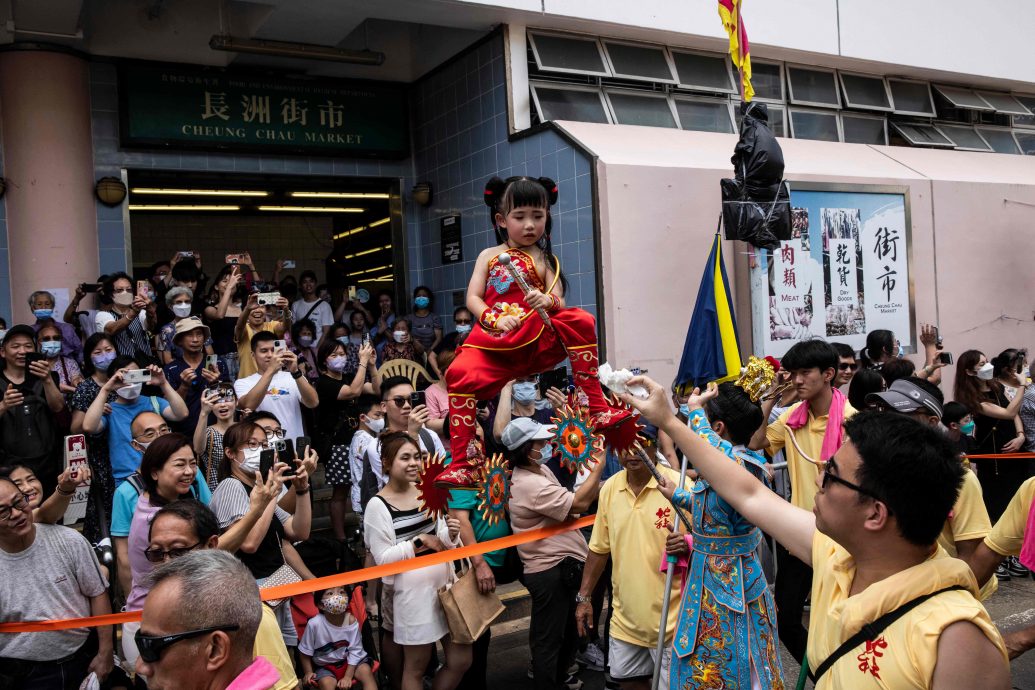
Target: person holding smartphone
x,y
277,386
402,345
253,320
193,372
130,318
42,304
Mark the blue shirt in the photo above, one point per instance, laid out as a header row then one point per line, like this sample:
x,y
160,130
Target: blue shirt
x,y
125,503
173,370
125,459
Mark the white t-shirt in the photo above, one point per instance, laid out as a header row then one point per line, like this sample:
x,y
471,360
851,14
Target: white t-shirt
x,y
103,318
322,316
282,399
374,453
330,645
362,440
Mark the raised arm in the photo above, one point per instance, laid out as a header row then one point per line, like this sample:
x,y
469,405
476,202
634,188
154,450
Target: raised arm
x,y
792,526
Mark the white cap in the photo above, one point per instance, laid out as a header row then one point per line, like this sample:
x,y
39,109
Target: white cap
x,y
524,429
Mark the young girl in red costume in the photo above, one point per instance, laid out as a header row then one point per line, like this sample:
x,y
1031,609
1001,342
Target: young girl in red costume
x,y
511,340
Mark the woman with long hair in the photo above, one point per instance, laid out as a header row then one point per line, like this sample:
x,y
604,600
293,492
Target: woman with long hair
x,y
881,346
395,529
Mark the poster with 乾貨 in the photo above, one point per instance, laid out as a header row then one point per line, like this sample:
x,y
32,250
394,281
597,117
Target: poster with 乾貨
x,y
843,273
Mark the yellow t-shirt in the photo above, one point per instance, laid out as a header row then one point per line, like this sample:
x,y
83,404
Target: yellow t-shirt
x,y
633,530
269,643
905,653
810,438
969,520
244,348
1008,534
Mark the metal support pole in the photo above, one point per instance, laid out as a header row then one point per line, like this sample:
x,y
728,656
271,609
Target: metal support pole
x,y
669,574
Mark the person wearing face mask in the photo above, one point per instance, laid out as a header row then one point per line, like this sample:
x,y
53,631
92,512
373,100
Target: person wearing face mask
x,y
130,318
552,567
66,368
425,325
998,429
180,302
337,417
303,344
371,420
115,421
463,323
268,545
402,344
520,398
98,354
42,303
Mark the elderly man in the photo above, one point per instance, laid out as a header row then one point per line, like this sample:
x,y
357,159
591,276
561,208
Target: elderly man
x,y
48,572
42,303
199,624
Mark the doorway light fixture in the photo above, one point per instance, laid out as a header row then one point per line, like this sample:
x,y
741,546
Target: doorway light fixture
x,y
382,279
291,49
361,228
340,195
312,209
171,207
367,251
387,267
199,192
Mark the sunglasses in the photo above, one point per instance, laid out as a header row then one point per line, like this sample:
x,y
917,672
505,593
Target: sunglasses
x,y
400,401
159,556
829,477
151,647
847,367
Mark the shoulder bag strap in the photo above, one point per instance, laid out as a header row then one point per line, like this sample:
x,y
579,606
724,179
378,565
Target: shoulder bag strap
x,y
428,439
312,309
871,631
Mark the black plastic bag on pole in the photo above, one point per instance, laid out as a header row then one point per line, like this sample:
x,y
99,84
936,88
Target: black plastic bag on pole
x,y
756,204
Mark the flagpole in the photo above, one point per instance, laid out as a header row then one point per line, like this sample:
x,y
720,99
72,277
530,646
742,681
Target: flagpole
x,y
669,575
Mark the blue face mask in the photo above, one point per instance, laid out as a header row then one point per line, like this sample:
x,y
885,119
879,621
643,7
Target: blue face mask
x,y
344,340
545,453
684,410
50,348
422,302
901,351
968,428
43,313
102,361
524,392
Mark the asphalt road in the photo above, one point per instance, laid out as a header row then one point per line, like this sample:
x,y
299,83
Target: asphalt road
x,y
1012,607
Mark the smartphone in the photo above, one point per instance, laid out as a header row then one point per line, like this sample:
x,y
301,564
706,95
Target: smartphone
x,y
144,289
945,357
286,453
302,444
137,376
555,378
89,288
266,460
267,299
234,259
289,263
185,254
31,357
212,362
418,398
937,338
279,345
352,292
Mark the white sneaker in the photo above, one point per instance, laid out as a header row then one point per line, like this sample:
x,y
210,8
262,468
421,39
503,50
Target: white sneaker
x,y
592,658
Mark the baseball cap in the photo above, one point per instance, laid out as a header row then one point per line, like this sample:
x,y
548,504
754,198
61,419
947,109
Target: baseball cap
x,y
524,429
20,329
906,397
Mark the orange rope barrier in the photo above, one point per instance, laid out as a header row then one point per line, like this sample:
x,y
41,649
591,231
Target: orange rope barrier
x,y
339,580
1002,456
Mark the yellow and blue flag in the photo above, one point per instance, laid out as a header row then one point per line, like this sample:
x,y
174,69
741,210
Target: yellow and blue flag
x,y
711,352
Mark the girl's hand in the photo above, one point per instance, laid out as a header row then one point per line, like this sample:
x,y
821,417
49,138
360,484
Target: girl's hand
x,y
208,400
366,352
508,323
1014,444
697,399
537,300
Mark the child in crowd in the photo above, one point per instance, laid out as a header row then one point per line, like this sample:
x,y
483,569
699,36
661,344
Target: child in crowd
x,y
331,649
208,440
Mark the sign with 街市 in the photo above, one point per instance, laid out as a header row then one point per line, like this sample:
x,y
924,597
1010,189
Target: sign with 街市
x,y
178,106
843,273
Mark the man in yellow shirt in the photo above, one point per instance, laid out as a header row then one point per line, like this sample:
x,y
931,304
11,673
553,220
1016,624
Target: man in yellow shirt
x,y
812,368
880,504
633,528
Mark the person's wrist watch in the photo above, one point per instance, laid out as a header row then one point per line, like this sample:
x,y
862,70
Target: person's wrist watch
x,y
579,599
296,374
418,543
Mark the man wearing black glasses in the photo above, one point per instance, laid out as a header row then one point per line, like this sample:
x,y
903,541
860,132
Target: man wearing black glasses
x,y
846,364
890,609
199,624
48,572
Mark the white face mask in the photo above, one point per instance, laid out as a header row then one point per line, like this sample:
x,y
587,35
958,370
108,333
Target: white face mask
x,y
181,309
250,464
130,392
400,336
123,299
985,372
376,425
335,604
545,453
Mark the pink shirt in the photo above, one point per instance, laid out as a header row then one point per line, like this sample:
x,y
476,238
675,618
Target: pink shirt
x,y
438,401
538,500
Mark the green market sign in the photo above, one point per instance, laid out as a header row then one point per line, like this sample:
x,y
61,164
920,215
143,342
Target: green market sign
x,y
172,106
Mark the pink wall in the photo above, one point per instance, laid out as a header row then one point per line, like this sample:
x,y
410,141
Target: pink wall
x,y
48,164
659,204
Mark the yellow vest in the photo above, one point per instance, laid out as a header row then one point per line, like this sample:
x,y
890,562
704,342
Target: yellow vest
x,y
905,653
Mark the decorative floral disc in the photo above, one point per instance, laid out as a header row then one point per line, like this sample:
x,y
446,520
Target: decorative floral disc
x,y
431,499
576,439
494,490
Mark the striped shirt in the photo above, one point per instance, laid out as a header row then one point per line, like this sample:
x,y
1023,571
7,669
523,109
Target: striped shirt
x,y
407,524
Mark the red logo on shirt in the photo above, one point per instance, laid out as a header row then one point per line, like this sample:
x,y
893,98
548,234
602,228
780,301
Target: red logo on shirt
x,y
868,659
663,518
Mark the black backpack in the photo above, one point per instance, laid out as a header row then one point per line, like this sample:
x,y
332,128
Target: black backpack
x,y
28,432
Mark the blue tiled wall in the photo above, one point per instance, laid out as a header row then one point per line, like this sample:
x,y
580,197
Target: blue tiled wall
x,y
460,141
109,160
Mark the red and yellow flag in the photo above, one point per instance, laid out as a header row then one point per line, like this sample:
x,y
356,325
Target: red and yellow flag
x,y
740,52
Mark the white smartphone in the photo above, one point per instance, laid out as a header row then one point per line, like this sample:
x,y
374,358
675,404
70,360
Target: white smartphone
x,y
137,376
